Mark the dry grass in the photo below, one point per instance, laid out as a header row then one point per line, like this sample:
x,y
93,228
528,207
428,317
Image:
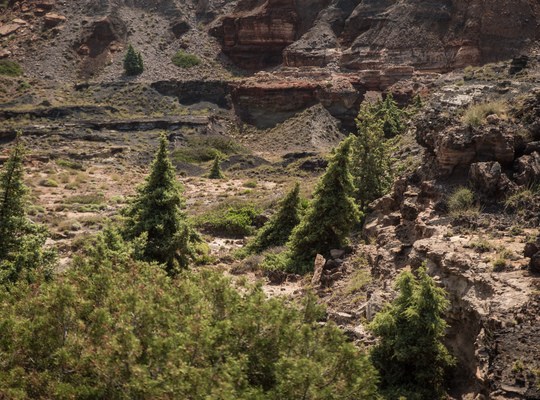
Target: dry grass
x,y
476,114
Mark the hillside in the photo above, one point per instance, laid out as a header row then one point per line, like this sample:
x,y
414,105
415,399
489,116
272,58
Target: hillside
x,y
269,88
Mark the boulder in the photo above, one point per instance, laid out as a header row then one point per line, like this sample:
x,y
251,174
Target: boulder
x,y
8,29
179,27
489,179
318,271
527,169
51,20
534,264
409,211
531,249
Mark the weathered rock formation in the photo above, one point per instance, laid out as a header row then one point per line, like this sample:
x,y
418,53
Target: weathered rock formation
x,y
430,35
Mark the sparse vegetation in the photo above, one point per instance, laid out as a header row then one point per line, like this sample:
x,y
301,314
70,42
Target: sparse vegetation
x,y
230,220
10,68
462,203
202,149
482,245
185,60
521,200
476,114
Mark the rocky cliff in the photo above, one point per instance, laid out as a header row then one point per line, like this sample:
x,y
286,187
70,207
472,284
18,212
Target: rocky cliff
x,y
371,34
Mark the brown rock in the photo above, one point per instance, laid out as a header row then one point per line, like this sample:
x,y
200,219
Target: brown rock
x,y
488,179
527,169
409,211
5,53
51,20
534,264
318,271
531,249
45,5
8,29
179,27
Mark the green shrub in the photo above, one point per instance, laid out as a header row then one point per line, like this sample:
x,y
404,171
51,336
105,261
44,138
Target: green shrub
x,y
62,162
461,202
90,198
521,200
184,60
10,68
111,327
203,149
235,220
49,182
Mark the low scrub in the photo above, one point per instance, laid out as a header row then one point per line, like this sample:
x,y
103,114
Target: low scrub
x,y
461,203
185,60
10,68
114,328
202,149
476,114
229,220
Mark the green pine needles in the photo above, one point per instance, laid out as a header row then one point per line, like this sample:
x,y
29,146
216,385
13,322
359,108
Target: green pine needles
x,y
22,251
391,116
372,160
156,215
278,229
410,355
133,62
330,216
215,171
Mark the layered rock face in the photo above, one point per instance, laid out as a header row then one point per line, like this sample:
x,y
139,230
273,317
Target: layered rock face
x,y
270,98
429,35
256,38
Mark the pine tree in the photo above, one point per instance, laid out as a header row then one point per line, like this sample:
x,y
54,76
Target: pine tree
x,y
372,161
330,216
215,171
410,355
391,116
277,230
22,242
133,63
156,215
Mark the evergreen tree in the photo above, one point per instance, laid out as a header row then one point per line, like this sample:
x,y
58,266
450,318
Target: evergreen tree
x,y
156,215
277,230
215,171
133,63
410,355
372,161
330,216
21,241
391,115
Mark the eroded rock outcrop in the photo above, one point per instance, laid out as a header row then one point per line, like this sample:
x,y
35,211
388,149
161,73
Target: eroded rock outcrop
x,y
433,35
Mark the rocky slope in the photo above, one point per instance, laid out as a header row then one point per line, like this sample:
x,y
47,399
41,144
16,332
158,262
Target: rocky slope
x,y
279,84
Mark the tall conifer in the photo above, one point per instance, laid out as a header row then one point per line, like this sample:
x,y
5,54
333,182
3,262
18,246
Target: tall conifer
x,y
22,242
330,216
156,215
277,230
